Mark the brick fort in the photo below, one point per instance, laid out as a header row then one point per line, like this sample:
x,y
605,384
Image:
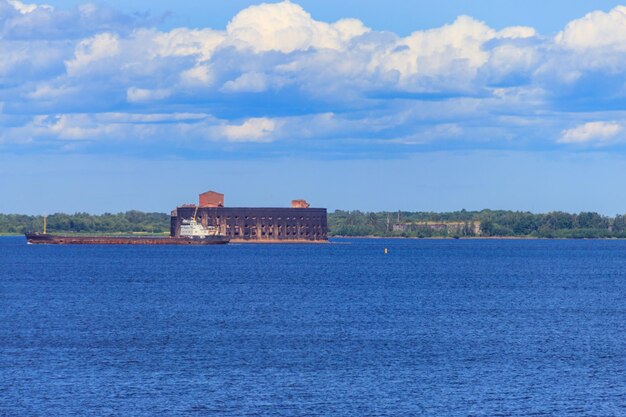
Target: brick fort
x,y
296,224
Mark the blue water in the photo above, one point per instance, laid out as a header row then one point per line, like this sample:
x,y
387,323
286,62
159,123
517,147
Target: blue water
x,y
436,328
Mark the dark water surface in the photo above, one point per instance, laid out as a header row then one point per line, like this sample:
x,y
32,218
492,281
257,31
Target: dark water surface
x,y
435,328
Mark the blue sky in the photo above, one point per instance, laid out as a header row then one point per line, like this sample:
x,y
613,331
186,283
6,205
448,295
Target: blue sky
x,y
353,105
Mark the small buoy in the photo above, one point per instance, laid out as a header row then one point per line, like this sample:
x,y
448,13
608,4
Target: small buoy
x,y
386,251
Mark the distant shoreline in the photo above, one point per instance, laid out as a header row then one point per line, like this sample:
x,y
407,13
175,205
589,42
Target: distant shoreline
x,y
484,224
376,237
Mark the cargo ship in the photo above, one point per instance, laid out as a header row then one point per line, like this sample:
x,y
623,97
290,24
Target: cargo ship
x,y
192,233
46,239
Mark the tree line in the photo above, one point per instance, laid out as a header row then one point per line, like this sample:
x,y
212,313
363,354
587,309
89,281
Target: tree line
x,y
493,223
490,223
128,222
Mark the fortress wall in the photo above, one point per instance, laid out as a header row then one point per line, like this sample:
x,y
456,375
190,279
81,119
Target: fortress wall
x,y
259,224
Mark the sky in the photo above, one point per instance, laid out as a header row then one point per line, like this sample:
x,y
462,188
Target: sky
x,y
370,105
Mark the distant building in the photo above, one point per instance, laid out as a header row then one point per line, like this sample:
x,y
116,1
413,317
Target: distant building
x,y
300,223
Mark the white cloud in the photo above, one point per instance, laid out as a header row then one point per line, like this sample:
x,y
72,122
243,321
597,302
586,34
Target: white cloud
x,y
596,29
70,127
138,95
287,27
47,92
89,51
112,128
27,8
594,44
199,75
508,60
251,82
186,42
252,130
517,32
127,128
592,132
427,60
22,21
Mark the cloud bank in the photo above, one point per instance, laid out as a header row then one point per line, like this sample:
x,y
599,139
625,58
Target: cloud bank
x,y
277,80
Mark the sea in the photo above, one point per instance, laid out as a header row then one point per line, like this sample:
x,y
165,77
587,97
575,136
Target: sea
x,y
430,328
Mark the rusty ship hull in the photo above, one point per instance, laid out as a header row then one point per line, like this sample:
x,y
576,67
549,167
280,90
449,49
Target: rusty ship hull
x,y
46,239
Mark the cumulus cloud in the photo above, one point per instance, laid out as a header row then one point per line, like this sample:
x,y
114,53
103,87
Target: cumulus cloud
x,y
276,75
89,51
287,27
252,130
437,59
593,132
596,29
